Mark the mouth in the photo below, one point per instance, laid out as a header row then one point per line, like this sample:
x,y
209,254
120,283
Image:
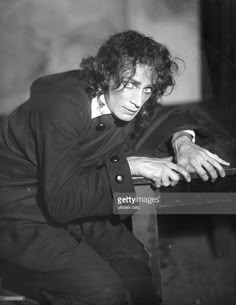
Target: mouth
x,y
129,111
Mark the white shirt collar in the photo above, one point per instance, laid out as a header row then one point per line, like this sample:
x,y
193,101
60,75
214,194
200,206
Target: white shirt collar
x,y
99,107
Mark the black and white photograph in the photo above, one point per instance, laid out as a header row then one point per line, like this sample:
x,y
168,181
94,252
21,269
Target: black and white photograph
x,y
117,152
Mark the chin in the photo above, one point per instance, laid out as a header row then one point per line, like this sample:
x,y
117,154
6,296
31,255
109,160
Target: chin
x,y
126,118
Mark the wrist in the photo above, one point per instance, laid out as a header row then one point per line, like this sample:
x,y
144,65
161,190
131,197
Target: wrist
x,y
134,165
179,139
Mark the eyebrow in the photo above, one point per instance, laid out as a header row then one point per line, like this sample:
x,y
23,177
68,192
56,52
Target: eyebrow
x,y
139,83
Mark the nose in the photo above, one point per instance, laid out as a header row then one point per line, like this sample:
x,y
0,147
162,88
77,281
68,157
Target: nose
x,y
136,100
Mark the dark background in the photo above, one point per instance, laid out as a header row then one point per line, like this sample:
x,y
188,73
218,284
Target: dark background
x,y
198,251
218,28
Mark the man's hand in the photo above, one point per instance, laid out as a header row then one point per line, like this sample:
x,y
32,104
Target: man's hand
x,y
197,159
160,171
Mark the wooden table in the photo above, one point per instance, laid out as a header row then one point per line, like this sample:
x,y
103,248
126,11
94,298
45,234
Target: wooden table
x,y
197,197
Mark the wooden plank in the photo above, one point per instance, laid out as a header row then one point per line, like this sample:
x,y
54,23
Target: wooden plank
x,y
145,228
140,180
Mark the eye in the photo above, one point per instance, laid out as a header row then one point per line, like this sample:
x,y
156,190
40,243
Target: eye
x,y
129,85
148,90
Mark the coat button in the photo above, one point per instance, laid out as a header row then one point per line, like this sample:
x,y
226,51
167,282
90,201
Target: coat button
x,y
119,178
100,127
115,159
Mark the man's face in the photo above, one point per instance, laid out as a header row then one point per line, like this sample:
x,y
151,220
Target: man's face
x,y
126,101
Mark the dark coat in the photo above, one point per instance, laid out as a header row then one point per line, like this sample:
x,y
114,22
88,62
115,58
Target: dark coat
x,y
55,165
52,155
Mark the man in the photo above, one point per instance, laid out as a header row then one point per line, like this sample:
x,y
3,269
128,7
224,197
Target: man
x,y
63,155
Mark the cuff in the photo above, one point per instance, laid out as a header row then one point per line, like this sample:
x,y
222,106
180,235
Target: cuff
x,y
119,174
192,133
185,131
121,184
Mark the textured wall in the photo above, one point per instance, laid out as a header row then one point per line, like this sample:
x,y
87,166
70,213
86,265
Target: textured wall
x,y
47,36
175,23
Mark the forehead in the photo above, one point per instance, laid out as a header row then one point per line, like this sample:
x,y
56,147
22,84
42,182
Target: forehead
x,y
143,75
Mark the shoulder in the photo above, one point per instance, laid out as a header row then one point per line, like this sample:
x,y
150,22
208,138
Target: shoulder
x,y
67,82
65,91
61,99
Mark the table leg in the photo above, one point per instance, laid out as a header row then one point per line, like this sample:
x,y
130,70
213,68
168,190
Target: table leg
x,y
145,228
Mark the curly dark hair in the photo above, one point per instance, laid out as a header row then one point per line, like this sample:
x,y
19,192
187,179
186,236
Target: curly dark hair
x,y
122,52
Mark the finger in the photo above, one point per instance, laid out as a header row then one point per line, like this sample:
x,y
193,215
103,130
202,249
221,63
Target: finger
x,y
217,158
200,170
187,166
179,169
190,169
157,182
173,182
218,167
165,180
173,176
183,172
210,170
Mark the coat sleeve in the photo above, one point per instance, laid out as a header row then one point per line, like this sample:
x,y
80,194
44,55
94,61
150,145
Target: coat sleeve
x,y
168,120
71,190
